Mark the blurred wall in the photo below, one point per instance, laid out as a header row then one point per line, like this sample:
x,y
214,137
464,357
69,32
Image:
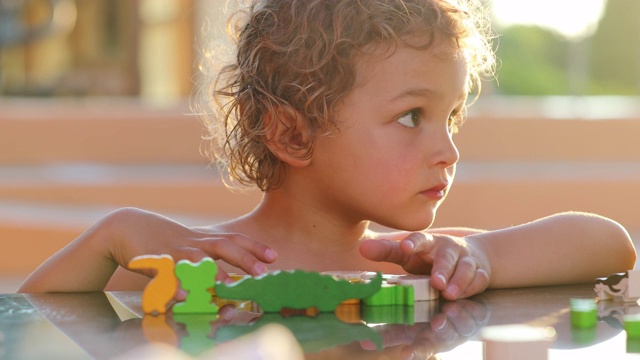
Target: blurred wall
x,y
95,115
65,164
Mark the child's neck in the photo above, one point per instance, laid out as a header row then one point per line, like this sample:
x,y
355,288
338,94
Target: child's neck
x,y
307,231
296,222
304,236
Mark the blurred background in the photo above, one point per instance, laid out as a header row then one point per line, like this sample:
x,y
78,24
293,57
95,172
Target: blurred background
x,y
95,115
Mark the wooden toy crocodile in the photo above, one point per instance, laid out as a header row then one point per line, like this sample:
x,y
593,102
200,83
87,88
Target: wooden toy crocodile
x,y
297,289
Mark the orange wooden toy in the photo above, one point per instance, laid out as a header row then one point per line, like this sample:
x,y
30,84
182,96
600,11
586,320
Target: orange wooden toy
x,y
162,288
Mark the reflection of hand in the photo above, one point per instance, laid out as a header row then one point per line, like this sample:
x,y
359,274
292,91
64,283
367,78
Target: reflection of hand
x,y
456,323
228,314
457,268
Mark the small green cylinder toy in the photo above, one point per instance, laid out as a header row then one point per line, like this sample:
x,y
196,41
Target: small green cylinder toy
x,y
584,313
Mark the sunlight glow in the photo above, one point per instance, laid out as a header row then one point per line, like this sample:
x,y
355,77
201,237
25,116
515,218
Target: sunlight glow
x,y
571,18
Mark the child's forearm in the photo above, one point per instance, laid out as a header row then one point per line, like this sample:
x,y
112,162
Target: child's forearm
x,y
560,249
83,265
455,231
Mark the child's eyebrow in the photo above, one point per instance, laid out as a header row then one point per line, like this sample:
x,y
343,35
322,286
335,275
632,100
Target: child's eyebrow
x,y
415,92
424,93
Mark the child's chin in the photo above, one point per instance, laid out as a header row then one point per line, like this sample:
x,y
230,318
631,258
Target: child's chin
x,y
413,224
418,227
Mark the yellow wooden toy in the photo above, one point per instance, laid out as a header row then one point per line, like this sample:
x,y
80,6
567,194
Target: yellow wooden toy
x,y
162,288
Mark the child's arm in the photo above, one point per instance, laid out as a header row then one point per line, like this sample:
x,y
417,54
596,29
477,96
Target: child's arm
x,y
560,249
455,231
87,263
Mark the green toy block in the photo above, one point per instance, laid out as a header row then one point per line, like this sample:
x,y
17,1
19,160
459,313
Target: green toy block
x,y
584,313
632,326
391,295
196,279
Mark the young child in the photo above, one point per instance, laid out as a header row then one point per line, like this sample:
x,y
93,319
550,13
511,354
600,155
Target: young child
x,y
343,113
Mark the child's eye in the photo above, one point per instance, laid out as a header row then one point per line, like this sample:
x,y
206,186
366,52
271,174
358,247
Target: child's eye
x,y
410,119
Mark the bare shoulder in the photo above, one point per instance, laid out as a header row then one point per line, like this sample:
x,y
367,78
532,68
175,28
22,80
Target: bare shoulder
x,y
227,227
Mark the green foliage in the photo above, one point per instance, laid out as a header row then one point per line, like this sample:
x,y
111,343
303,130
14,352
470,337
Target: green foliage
x,y
615,55
535,61
532,62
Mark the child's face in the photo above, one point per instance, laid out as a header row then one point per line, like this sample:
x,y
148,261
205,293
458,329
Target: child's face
x,y
393,160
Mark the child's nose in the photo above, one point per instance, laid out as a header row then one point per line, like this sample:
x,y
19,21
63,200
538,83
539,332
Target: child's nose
x,y
446,153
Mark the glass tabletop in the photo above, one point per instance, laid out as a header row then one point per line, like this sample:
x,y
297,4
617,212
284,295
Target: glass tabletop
x,y
112,324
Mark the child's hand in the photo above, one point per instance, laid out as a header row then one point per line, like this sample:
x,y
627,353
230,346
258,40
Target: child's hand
x,y
137,232
457,269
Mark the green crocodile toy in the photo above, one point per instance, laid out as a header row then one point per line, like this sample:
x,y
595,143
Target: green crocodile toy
x,y
297,289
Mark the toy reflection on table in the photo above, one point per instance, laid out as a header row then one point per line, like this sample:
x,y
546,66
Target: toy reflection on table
x,y
352,328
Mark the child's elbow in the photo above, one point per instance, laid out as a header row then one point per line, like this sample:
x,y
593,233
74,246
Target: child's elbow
x,y
621,245
613,248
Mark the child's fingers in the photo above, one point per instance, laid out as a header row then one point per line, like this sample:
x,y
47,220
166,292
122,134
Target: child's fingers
x,y
383,250
478,284
222,276
465,270
180,294
246,255
258,249
194,255
417,242
224,242
444,265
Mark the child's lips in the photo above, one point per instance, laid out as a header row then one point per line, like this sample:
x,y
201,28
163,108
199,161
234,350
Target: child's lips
x,y
436,192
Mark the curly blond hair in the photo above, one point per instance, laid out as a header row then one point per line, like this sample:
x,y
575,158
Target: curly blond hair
x,y
301,55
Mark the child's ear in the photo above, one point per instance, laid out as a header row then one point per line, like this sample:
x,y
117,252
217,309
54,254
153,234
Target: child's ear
x,y
287,136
